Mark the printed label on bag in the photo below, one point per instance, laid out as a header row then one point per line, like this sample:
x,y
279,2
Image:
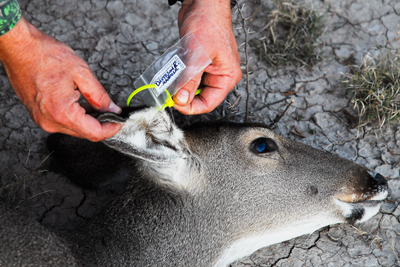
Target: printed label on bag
x,y
167,75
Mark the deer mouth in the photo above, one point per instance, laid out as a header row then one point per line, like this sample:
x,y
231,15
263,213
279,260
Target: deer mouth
x,y
361,208
364,200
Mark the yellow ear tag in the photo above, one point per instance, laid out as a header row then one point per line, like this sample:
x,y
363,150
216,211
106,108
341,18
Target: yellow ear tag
x,y
169,103
144,87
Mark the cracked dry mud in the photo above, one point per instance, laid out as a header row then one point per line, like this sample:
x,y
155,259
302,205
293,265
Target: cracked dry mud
x,y
119,39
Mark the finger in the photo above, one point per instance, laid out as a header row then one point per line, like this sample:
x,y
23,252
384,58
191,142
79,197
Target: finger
x,y
215,90
223,81
186,94
67,116
74,121
88,127
109,129
94,92
207,101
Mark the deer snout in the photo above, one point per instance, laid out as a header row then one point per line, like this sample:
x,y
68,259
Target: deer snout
x,y
362,199
364,186
381,187
380,179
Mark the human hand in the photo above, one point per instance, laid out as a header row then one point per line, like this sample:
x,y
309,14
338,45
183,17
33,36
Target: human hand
x,y
210,21
49,77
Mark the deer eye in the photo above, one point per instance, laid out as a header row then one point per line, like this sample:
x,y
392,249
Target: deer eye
x,y
264,145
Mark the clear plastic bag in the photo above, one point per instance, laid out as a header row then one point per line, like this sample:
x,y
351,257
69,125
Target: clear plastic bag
x,y
178,65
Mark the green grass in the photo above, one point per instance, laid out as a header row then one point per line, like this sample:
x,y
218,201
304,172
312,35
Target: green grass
x,y
375,86
290,36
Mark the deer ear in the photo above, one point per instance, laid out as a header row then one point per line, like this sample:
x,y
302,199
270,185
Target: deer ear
x,y
148,134
151,136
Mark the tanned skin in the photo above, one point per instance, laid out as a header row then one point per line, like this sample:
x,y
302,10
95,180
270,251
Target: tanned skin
x,y
49,77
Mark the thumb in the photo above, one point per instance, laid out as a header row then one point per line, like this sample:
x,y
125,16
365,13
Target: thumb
x,y
95,94
186,94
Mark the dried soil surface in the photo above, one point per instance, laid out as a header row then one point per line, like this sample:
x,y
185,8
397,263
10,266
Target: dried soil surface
x,y
119,39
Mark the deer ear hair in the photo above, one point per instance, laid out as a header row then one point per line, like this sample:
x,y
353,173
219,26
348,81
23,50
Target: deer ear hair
x,y
111,117
148,134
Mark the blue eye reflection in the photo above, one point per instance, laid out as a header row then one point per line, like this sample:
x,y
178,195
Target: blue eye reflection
x,y
260,147
264,145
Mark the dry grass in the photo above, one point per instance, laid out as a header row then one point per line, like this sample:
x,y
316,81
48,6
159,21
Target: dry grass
x,y
13,188
290,35
375,85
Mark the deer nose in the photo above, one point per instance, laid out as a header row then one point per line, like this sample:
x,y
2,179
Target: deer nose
x,y
380,179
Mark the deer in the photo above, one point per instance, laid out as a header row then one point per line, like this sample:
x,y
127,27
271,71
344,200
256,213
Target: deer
x,y
206,195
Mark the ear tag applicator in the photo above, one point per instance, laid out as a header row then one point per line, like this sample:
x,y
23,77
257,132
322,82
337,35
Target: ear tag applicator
x,y
168,104
169,73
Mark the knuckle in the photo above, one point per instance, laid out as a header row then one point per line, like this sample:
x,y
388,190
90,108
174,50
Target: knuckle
x,y
210,107
191,85
237,74
83,71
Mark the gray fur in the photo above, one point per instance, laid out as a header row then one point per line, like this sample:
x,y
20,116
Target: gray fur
x,y
233,193
24,242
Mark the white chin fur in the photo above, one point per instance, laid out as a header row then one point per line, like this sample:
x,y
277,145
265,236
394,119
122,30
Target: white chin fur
x,y
370,209
369,212
249,244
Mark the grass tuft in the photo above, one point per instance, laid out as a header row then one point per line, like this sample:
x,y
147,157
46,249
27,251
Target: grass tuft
x,y
375,85
290,35
13,188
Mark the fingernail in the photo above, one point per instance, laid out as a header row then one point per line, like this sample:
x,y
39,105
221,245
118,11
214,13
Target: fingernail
x,y
182,96
114,108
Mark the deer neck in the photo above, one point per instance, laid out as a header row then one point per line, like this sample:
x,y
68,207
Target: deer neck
x,y
152,226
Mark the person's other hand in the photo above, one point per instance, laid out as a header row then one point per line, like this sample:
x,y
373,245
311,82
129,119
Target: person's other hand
x,y
49,77
210,21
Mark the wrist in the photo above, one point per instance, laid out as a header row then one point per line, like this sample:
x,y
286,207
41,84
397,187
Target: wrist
x,y
204,16
232,3
17,40
204,10
212,4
